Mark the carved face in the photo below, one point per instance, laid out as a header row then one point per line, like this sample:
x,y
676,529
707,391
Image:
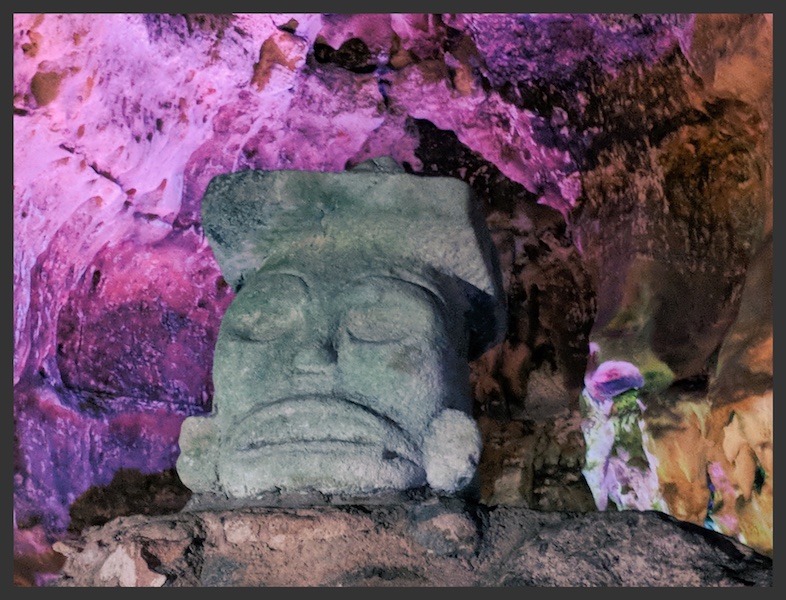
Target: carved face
x,y
328,376
341,365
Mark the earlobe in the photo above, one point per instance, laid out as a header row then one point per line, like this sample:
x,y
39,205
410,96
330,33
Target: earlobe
x,y
198,462
451,451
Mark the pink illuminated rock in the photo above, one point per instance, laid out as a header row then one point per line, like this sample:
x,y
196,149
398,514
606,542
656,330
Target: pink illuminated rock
x,y
623,163
122,341
618,466
67,450
614,377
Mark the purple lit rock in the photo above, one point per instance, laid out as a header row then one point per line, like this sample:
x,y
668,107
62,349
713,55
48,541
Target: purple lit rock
x,y
623,162
124,342
67,451
613,377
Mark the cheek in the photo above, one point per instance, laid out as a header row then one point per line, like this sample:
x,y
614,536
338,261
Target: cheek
x,y
242,369
392,364
407,360
403,382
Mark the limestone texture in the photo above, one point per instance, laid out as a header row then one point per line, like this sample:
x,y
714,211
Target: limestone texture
x,y
421,542
619,466
622,163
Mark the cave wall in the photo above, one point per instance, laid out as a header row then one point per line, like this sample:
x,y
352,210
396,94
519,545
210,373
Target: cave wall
x,y
623,162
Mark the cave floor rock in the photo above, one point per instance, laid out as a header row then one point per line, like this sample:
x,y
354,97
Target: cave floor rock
x,y
431,543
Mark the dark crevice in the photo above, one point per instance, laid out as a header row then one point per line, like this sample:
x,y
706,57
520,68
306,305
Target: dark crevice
x,y
353,55
105,174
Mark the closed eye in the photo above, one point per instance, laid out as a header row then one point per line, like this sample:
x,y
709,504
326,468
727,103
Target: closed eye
x,y
374,327
265,326
268,307
385,310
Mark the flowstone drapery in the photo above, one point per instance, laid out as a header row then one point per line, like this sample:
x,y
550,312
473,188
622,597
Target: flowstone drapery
x,y
341,365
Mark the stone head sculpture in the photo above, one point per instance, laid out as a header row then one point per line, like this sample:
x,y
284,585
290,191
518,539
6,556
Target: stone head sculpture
x,y
341,364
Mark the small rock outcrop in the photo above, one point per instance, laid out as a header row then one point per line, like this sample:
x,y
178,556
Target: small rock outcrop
x,y
423,541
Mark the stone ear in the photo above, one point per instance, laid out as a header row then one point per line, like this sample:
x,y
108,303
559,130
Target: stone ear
x,y
197,467
451,451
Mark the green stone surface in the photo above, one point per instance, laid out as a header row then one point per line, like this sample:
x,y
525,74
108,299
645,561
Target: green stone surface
x,y
341,364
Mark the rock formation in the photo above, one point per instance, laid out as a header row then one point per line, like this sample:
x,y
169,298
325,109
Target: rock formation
x,y
414,543
622,163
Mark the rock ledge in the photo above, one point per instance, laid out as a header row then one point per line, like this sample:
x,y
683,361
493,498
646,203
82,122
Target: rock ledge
x,y
431,542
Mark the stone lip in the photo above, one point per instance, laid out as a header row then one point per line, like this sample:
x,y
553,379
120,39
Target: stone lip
x,y
424,541
291,423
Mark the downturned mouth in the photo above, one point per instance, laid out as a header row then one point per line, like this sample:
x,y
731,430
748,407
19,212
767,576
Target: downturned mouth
x,y
321,423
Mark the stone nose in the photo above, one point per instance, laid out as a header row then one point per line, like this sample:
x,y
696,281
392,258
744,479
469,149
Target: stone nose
x,y
315,358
